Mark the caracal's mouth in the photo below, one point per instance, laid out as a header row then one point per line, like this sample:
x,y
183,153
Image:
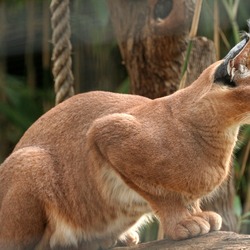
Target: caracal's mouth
x,y
239,66
235,68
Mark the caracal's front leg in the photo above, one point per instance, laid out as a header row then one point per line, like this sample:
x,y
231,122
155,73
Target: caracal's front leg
x,y
182,221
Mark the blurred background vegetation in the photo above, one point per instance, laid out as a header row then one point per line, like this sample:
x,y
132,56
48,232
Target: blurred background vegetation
x,y
26,84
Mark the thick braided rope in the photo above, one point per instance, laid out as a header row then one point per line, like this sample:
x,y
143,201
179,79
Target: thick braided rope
x,y
61,55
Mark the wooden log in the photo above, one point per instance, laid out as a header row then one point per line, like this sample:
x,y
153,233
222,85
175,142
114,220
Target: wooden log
x,y
202,55
212,241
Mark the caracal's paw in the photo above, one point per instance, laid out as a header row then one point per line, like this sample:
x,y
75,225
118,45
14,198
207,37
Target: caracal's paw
x,y
213,219
198,224
129,238
190,227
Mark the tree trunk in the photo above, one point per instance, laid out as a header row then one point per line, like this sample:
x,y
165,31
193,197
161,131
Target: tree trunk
x,y
153,39
211,241
152,36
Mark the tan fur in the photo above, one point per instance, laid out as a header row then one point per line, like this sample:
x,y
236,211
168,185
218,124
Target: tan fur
x,y
87,170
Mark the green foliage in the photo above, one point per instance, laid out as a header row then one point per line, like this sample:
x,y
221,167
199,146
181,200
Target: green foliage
x,y
231,8
242,179
19,109
124,86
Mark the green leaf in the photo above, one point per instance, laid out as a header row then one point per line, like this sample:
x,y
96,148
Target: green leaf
x,y
237,206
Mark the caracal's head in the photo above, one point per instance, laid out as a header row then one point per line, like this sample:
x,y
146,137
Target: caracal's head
x,y
234,71
225,85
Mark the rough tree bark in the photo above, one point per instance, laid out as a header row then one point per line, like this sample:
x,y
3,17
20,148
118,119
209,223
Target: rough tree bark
x,y
152,45
153,38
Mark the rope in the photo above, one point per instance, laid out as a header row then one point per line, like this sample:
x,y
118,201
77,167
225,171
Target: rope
x,y
61,56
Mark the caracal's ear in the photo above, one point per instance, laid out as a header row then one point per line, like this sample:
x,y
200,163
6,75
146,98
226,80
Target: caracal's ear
x,y
235,68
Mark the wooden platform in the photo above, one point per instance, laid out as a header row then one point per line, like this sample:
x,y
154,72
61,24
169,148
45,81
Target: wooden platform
x,y
211,241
